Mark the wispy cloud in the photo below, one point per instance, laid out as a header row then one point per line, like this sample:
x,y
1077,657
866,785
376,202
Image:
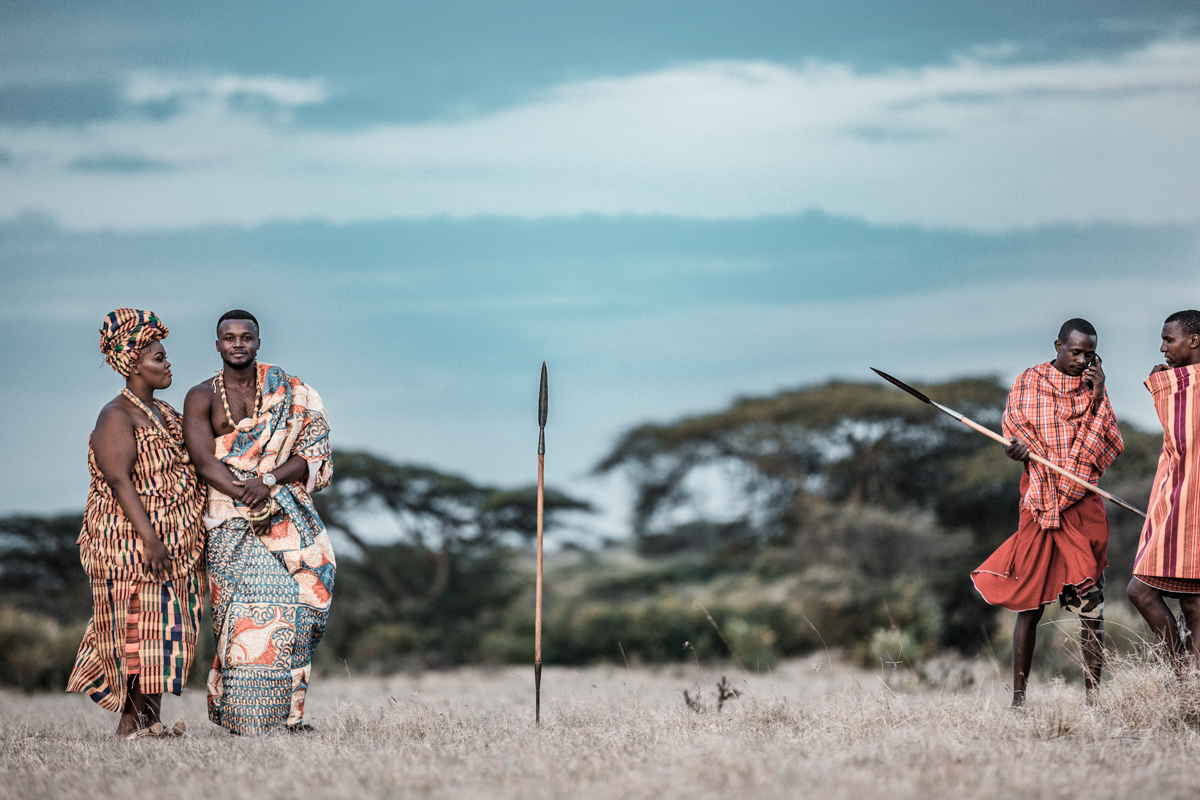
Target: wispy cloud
x,y
116,162
982,143
286,92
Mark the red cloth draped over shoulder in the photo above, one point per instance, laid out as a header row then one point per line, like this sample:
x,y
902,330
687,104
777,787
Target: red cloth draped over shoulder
x,y
1052,413
1031,568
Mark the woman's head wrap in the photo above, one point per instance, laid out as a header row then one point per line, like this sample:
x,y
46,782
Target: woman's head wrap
x,y
123,335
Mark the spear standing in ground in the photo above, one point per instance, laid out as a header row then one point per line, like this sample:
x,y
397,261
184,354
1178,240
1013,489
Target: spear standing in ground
x,y
543,408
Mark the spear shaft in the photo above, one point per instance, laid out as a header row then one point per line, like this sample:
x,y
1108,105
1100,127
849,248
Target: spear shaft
x,y
543,408
991,434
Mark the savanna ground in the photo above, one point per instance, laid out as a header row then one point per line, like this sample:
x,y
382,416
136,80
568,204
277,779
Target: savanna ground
x,y
810,727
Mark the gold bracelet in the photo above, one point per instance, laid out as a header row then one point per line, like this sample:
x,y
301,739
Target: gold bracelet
x,y
265,515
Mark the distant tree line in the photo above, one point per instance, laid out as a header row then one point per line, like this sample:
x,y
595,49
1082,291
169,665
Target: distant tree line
x,y
843,515
826,475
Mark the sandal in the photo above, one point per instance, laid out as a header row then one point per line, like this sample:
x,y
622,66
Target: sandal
x,y
156,730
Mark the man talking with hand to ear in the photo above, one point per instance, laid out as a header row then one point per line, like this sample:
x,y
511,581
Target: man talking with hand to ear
x,y
1060,411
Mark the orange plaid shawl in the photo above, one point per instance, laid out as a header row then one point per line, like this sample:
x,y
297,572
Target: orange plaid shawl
x,y
1170,543
1051,412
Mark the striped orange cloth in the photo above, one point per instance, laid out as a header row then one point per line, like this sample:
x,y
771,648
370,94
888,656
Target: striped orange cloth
x,y
1168,554
168,615
133,638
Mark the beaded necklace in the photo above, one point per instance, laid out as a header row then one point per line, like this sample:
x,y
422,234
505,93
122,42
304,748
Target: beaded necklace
x,y
225,401
179,451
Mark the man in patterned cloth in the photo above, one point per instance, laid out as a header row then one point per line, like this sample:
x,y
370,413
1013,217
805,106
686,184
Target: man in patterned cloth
x,y
1060,411
260,439
1168,557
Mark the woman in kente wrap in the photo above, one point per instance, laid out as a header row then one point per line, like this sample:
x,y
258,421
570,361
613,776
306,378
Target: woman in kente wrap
x,y
142,541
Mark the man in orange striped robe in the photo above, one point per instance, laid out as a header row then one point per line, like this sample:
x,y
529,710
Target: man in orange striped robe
x,y
1060,411
1168,557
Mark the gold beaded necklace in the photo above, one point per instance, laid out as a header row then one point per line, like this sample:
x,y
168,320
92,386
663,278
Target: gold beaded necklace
x,y
179,451
225,401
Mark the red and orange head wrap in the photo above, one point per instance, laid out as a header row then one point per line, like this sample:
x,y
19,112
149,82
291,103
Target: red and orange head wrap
x,y
124,333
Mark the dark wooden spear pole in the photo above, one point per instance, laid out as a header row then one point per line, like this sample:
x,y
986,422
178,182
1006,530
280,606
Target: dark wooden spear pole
x,y
991,434
543,408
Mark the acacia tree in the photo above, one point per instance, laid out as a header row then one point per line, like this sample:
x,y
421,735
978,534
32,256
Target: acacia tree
x,y
448,565
842,442
800,464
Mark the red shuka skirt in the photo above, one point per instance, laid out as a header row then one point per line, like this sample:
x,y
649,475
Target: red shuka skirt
x,y
1035,564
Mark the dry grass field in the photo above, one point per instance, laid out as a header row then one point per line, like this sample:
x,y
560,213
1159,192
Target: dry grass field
x,y
811,728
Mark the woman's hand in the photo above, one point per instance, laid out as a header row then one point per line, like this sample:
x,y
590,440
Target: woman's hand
x,y
156,558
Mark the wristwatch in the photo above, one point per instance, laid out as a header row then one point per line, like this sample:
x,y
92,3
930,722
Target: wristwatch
x,y
268,480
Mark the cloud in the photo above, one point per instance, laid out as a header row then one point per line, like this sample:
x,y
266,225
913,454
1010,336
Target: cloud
x,y
115,162
981,143
284,92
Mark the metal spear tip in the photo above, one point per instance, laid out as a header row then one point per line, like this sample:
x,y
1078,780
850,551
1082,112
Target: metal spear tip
x,y
901,384
543,399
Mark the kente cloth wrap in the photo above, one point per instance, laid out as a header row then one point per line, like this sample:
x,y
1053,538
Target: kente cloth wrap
x,y
270,594
124,333
113,556
1036,565
1051,412
1168,554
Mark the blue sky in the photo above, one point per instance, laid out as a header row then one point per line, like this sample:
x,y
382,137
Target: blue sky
x,y
673,203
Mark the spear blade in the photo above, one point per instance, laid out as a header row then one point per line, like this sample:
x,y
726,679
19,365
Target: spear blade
x,y
543,410
901,384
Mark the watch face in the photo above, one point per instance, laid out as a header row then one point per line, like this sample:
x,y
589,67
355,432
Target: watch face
x,y
268,480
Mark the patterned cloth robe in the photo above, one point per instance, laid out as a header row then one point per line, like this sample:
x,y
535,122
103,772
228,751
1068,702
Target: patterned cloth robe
x,y
1060,548
157,641
1168,555
270,594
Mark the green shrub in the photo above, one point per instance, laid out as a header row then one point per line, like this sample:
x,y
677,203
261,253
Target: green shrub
x,y
36,652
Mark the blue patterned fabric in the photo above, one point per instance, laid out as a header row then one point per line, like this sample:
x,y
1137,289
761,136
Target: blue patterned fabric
x,y
271,593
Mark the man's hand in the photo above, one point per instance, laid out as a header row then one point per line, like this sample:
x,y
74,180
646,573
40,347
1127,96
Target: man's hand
x,y
254,493
1017,451
261,528
1095,374
1159,368
156,558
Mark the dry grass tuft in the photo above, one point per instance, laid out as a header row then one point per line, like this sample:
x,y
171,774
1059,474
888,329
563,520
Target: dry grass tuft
x,y
810,728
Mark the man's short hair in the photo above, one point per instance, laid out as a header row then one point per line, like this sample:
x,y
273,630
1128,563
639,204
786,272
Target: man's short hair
x,y
237,313
1076,324
1188,320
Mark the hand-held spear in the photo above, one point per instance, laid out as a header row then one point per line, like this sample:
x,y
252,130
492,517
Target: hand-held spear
x,y
543,408
1006,442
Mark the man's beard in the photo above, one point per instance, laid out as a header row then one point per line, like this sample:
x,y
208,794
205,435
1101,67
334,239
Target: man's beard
x,y
239,364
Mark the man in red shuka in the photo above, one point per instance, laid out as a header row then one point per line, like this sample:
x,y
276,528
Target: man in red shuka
x,y
1060,411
